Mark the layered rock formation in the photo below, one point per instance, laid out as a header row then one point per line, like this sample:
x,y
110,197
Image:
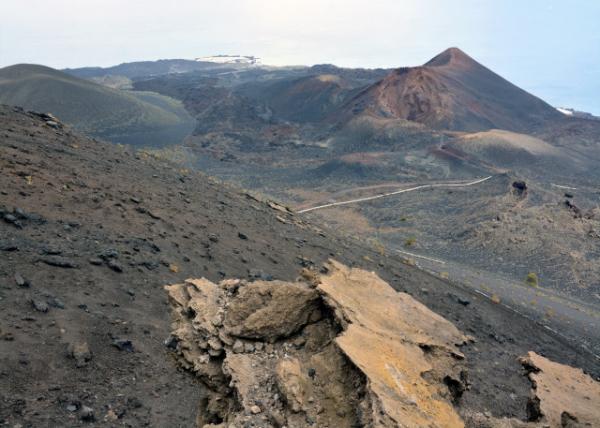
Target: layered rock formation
x,y
342,351
561,395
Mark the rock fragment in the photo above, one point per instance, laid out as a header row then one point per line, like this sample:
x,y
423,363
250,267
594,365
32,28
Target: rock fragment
x,y
114,265
123,345
60,262
80,352
20,281
39,305
270,310
8,246
86,414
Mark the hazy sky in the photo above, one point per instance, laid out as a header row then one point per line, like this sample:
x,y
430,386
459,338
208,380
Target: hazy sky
x,y
551,48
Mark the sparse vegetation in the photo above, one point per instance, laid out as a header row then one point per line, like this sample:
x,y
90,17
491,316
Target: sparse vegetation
x,y
532,279
379,247
410,242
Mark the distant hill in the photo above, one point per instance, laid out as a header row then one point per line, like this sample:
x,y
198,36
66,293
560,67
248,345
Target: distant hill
x,y
142,68
453,91
305,99
95,109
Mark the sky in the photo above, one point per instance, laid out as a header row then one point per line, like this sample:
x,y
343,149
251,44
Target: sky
x,y
550,48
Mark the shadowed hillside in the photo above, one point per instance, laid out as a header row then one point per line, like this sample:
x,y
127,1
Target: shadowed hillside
x,y
97,110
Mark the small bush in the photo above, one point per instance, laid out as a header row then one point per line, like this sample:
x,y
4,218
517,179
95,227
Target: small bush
x,y
532,279
410,241
379,247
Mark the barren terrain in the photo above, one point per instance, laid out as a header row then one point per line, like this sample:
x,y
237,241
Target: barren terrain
x,y
91,233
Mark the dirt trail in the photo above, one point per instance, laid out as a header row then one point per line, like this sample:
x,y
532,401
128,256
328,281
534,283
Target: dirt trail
x,y
397,192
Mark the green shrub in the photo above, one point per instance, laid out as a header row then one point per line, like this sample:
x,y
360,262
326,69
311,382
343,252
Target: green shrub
x,y
410,241
532,279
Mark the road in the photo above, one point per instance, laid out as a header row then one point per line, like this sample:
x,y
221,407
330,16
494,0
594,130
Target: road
x,y
397,192
574,320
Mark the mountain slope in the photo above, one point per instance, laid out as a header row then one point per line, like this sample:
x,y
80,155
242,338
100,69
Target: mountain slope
x,y
453,91
91,232
307,99
91,108
142,68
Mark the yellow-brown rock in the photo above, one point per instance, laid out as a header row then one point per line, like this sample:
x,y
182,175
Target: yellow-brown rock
x,y
389,336
565,396
270,310
350,352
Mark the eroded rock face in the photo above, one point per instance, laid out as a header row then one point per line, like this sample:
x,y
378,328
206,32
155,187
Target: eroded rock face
x,y
350,352
561,396
271,310
407,352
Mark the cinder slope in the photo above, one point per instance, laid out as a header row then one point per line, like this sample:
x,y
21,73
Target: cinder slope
x,y
453,91
91,108
307,99
526,154
89,234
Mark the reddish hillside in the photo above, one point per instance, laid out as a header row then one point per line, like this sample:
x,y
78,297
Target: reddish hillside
x,y
453,91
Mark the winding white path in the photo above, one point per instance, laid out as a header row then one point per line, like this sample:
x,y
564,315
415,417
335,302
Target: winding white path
x,y
383,195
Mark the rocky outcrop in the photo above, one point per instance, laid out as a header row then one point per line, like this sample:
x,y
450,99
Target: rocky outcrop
x,y
345,350
561,396
408,353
